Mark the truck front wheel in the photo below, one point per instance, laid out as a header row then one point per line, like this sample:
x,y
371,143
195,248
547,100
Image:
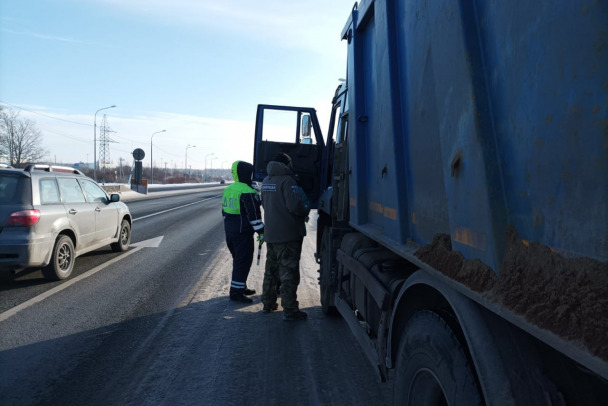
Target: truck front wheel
x,y
432,368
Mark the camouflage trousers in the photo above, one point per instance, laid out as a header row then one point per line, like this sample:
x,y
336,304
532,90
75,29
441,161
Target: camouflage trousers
x,y
282,264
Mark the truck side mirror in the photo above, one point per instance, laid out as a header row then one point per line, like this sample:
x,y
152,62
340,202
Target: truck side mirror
x,y
306,129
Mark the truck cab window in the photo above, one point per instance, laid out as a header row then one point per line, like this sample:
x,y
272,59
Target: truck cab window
x,y
288,126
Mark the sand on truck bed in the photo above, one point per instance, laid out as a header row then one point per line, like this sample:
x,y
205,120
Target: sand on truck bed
x,y
568,296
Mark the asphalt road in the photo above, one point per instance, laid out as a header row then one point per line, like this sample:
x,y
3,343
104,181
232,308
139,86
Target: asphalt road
x,y
154,326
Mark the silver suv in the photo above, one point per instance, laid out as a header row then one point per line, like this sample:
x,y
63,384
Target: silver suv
x,y
49,215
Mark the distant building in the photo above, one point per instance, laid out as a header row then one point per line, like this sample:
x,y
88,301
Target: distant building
x,y
82,165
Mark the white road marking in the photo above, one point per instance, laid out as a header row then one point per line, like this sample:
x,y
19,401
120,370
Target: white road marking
x,y
151,243
48,293
174,208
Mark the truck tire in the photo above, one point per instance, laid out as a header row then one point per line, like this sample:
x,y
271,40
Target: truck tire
x,y
62,260
432,368
326,279
124,237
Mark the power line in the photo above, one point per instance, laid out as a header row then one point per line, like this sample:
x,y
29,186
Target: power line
x,y
167,152
87,125
67,136
45,129
44,115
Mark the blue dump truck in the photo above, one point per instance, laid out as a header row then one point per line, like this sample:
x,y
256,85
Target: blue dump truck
x,y
462,196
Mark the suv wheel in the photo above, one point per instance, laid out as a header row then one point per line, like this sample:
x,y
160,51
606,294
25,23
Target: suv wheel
x,y
124,237
62,260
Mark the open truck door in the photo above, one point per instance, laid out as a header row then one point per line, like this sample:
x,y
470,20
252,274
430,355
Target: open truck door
x,y
296,132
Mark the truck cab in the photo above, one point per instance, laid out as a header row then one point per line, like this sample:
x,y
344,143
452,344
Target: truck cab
x,y
296,132
318,162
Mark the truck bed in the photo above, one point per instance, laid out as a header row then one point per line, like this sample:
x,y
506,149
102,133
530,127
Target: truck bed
x,y
489,125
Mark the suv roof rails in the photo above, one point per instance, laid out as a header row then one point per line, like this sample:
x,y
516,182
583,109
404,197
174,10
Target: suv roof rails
x,y
52,168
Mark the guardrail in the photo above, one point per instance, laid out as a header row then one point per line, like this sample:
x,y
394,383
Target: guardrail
x,y
156,190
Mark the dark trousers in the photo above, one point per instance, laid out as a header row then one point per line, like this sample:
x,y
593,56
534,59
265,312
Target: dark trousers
x,y
241,246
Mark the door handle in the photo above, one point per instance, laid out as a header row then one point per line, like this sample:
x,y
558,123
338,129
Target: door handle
x,y
72,211
97,209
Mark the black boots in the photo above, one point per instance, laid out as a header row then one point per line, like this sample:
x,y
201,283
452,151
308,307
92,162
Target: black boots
x,y
240,297
270,308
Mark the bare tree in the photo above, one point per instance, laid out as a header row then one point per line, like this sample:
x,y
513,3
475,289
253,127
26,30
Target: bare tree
x,y
20,139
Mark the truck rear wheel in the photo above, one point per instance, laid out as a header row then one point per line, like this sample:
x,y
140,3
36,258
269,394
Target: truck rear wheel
x,y
327,280
432,368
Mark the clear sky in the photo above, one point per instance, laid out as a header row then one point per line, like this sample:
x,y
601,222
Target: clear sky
x,y
195,68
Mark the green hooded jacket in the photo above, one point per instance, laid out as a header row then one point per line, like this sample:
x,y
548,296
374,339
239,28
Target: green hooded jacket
x,y
241,203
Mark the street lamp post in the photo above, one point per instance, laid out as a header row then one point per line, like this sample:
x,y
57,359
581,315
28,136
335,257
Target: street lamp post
x,y
211,163
206,156
186,166
223,173
95,140
151,160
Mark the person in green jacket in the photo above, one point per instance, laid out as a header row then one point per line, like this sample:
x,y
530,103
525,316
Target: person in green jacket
x,y
242,219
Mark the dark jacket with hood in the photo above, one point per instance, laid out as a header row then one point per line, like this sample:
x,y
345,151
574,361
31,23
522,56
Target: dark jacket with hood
x,y
241,203
285,205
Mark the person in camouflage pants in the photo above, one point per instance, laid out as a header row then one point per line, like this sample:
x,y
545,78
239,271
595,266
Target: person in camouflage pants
x,y
286,210
283,265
